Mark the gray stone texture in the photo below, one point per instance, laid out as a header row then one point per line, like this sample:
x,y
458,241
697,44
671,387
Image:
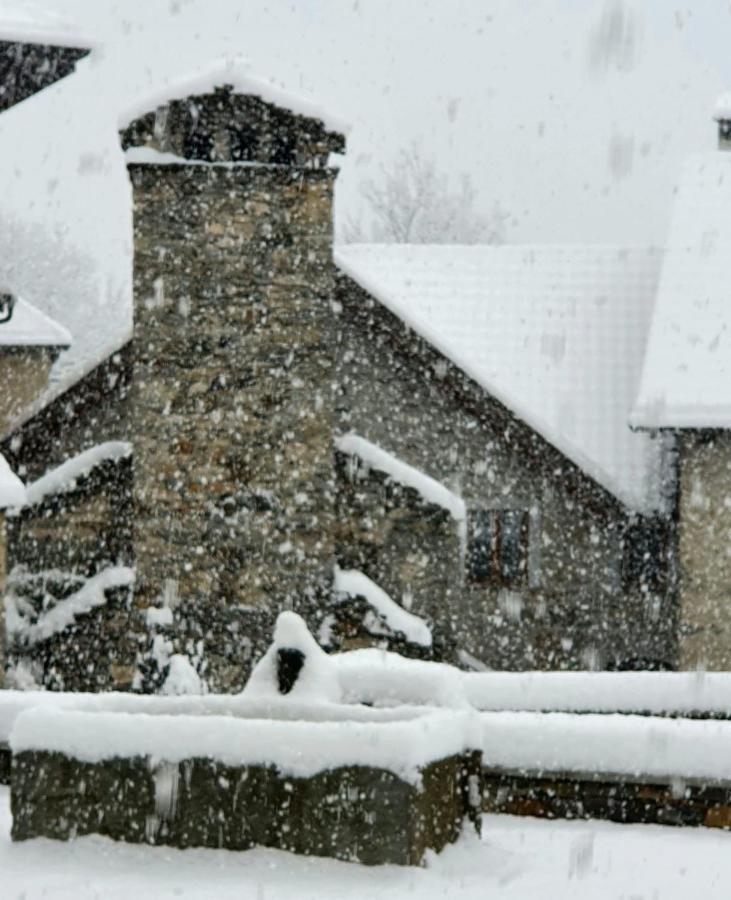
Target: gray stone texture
x,y
26,68
353,813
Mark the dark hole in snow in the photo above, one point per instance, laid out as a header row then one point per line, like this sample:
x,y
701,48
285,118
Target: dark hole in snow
x,y
289,666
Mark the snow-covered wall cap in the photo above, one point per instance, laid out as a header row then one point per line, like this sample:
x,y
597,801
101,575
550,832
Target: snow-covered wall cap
x,y
29,327
12,489
35,24
722,109
234,72
429,488
64,477
357,584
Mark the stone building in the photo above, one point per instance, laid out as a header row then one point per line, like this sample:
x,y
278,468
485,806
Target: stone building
x,y
424,448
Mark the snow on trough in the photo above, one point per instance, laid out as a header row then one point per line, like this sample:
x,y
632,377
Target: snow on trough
x,y
430,490
296,747
354,584
64,477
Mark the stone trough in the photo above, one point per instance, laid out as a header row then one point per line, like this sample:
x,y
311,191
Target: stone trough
x,y
368,785
285,764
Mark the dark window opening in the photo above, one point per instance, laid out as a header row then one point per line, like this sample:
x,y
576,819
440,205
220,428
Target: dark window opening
x,y
498,547
645,564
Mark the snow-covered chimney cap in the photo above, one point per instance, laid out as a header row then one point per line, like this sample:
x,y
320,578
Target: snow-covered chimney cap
x,y
722,109
722,115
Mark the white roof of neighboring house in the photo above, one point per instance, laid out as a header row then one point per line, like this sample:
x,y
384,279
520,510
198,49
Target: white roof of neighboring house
x,y
686,379
555,333
34,23
12,489
29,327
236,73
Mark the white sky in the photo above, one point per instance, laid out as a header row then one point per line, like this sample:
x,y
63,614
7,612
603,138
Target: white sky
x,y
579,139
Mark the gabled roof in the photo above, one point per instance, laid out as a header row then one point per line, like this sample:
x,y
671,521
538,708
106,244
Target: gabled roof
x,y
29,327
686,378
555,333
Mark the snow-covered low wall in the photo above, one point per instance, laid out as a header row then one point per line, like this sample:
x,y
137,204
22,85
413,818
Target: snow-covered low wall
x,y
644,748
702,694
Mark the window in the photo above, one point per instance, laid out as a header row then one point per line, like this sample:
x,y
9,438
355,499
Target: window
x,y
498,546
645,563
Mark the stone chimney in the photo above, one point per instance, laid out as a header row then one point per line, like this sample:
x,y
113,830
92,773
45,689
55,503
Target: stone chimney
x,y
722,115
232,422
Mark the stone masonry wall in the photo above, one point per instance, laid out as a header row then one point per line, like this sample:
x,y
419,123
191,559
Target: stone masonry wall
x,y
575,610
53,546
27,68
704,556
232,397
24,376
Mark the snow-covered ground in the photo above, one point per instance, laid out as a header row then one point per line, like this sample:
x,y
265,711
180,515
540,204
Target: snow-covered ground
x,y
517,858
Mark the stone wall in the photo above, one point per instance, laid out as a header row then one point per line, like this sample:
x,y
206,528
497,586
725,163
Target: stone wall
x,y
27,68
354,813
705,560
575,608
615,798
24,374
53,546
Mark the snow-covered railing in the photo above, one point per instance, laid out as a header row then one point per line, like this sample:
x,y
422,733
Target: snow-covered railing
x,y
398,619
429,488
64,477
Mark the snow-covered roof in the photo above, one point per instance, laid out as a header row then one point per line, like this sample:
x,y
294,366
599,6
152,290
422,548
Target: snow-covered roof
x,y
556,333
29,327
686,379
12,489
722,109
35,24
236,73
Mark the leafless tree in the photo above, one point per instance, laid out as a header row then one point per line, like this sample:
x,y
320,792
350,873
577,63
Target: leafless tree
x,y
413,203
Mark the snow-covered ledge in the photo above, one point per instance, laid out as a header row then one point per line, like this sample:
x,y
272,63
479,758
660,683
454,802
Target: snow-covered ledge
x,y
357,584
64,477
429,488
